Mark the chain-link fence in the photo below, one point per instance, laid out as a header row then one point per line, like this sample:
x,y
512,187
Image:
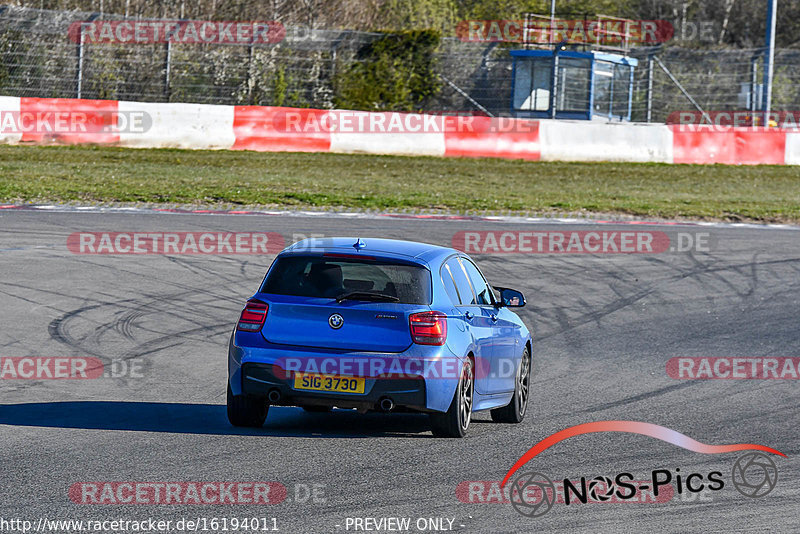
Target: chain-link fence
x,y
38,58
718,80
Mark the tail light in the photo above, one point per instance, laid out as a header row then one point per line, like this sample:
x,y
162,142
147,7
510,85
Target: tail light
x,y
428,328
253,316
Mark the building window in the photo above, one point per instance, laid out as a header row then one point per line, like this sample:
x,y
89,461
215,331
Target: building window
x,y
532,84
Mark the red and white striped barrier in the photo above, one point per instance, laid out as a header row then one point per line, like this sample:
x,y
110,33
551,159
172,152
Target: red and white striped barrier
x,y
792,147
9,105
264,129
605,141
281,129
738,146
197,126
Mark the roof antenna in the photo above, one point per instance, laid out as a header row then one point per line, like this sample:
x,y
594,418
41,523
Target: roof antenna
x,y
358,245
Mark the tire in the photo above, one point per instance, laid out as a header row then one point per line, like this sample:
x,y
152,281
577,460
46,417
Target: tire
x,y
455,421
317,409
515,411
246,411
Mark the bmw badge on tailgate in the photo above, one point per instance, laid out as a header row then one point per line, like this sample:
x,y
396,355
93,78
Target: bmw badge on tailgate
x,y
336,321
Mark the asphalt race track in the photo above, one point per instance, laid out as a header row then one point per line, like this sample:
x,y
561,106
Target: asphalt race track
x,y
604,327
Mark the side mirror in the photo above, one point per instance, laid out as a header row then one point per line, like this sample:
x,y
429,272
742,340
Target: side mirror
x,y
511,298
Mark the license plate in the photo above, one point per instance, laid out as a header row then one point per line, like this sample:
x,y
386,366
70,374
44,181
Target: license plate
x,y
340,384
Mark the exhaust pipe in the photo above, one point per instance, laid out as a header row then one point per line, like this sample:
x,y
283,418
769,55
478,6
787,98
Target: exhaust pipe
x,y
386,404
274,396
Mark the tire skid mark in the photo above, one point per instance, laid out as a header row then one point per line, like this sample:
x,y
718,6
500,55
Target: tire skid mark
x,y
196,269
647,395
186,287
59,331
163,342
698,270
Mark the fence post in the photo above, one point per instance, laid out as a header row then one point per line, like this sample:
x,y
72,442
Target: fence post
x,y
167,66
79,85
753,86
769,58
81,52
250,80
554,84
650,87
333,61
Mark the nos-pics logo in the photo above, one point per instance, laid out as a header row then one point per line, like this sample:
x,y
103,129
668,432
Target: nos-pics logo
x,y
533,494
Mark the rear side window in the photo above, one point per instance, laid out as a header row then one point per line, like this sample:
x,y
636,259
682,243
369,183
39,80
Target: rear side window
x,y
449,285
324,277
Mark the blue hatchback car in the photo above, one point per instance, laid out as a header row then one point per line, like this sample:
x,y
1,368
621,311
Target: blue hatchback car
x,y
380,324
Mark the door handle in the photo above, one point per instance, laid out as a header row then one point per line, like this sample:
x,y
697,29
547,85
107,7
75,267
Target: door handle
x,y
468,315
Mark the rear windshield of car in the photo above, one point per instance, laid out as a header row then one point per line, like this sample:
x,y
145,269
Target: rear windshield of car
x,y
329,277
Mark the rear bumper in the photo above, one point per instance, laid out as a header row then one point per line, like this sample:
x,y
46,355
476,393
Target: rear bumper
x,y
260,379
258,368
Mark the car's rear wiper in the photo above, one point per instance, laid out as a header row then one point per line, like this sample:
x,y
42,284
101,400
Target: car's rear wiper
x,y
365,295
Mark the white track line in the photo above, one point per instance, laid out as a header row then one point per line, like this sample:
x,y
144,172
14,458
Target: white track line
x,y
388,215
